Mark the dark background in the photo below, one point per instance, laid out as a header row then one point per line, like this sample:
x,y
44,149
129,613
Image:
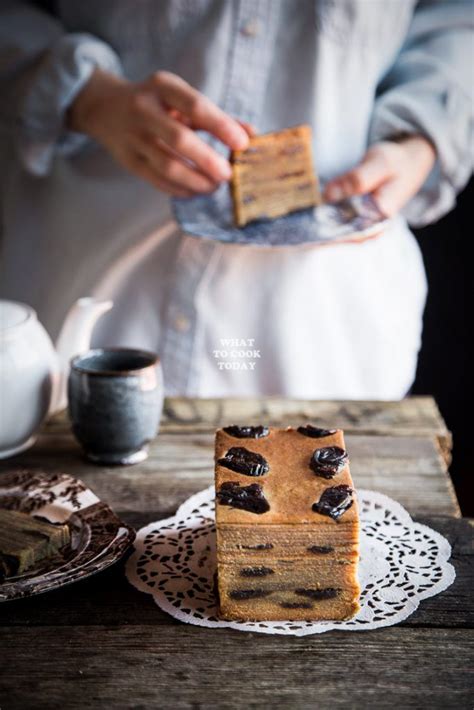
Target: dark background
x,y
443,365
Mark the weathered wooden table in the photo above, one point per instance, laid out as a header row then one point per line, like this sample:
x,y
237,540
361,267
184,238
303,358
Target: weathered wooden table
x,y
101,643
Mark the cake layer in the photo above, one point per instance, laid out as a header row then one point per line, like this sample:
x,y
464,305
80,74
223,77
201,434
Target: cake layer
x,y
25,540
272,203
286,575
290,606
274,175
305,541
290,487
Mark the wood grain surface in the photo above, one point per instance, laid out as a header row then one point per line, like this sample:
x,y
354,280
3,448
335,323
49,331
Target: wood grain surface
x,y
405,465
102,644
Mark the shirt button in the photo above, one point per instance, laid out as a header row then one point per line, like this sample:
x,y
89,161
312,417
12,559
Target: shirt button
x,y
182,323
250,28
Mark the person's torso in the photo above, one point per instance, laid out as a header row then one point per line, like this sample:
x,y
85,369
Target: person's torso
x,y
314,314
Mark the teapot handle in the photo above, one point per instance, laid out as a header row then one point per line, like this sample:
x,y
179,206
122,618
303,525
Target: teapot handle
x,y
74,339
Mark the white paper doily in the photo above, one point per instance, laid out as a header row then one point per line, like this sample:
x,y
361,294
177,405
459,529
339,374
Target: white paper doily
x,y
401,563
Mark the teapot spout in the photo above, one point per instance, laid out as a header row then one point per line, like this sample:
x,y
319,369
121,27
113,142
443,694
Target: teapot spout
x,y
74,339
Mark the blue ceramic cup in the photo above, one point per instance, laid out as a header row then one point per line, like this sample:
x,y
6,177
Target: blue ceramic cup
x,y
115,402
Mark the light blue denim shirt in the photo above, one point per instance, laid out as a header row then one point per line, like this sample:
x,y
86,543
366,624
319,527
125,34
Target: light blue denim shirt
x,y
340,322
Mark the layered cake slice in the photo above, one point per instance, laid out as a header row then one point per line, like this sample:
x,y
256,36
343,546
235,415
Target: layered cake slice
x,y
287,524
25,540
274,176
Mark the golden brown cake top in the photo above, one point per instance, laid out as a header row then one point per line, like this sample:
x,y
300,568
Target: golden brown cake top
x,y
284,472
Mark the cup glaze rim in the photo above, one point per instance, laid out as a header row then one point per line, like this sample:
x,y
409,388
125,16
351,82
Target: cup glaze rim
x,y
77,367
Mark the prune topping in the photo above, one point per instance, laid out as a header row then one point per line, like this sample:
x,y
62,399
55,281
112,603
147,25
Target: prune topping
x,y
296,605
315,432
320,549
328,461
334,501
247,432
244,461
261,546
249,498
256,571
318,594
248,593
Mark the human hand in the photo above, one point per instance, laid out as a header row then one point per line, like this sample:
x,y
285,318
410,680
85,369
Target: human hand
x,y
392,171
149,128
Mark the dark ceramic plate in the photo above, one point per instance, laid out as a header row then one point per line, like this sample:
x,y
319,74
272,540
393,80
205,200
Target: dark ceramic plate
x,y
210,217
98,537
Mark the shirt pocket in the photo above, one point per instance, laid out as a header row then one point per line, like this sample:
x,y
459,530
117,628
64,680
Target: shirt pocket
x,y
139,31
174,22
367,24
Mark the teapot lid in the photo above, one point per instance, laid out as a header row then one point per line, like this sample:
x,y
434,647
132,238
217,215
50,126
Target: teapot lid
x,y
13,314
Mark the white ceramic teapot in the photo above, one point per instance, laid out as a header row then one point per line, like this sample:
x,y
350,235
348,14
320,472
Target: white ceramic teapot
x,y
33,375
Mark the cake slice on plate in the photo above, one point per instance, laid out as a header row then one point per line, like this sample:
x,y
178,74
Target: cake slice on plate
x,y
274,176
25,540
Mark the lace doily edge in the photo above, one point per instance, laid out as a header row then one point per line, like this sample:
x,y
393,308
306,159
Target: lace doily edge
x,y
194,501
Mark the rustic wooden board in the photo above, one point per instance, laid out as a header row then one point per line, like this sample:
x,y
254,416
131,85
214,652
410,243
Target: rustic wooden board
x,y
189,667
407,468
108,598
101,643
413,416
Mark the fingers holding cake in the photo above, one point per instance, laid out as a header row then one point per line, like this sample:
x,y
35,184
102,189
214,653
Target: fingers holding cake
x,y
149,127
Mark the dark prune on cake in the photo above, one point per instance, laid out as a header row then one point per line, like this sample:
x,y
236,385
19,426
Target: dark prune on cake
x,y
318,594
244,461
296,605
248,593
334,501
260,546
320,549
246,432
249,498
315,432
328,461
256,571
